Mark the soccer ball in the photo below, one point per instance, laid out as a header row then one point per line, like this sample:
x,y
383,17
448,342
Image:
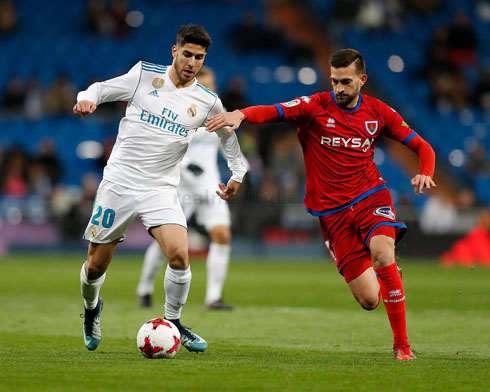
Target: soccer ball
x,y
158,338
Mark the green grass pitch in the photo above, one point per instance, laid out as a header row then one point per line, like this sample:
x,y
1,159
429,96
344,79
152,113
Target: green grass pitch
x,y
296,327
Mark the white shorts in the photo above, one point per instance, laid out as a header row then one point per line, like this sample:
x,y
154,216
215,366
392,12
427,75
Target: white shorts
x,y
115,207
210,209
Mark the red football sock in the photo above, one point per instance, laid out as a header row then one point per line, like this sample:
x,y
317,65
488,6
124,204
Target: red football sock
x,y
391,288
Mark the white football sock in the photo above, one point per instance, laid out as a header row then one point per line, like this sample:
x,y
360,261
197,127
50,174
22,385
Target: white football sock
x,y
90,288
217,268
177,284
152,264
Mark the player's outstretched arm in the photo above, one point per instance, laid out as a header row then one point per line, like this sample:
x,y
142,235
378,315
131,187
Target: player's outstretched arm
x,y
228,191
225,119
427,160
84,108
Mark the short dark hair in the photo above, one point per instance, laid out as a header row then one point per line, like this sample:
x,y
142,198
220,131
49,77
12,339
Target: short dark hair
x,y
344,57
193,34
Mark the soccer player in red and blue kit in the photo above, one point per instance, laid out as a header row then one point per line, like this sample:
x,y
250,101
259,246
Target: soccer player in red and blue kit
x,y
338,131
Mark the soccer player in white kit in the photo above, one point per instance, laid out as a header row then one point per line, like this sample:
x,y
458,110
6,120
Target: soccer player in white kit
x,y
166,106
199,175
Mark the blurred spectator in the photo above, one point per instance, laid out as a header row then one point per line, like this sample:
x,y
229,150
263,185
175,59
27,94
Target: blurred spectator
x,y
465,199
107,145
14,97
108,19
450,92
438,55
462,41
60,97
481,96
74,220
438,214
482,10
251,35
39,181
48,159
33,105
118,11
424,6
394,15
477,161
14,173
234,96
8,17
287,165
345,10
371,14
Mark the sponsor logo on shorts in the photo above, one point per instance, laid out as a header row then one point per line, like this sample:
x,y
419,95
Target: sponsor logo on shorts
x,y
385,211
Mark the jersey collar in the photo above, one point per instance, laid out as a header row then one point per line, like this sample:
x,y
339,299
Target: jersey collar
x,y
347,109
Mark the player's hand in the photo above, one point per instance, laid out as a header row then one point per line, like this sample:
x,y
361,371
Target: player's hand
x,y
228,191
227,119
84,108
421,182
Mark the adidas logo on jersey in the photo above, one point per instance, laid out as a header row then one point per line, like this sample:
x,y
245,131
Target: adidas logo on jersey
x,y
331,123
154,93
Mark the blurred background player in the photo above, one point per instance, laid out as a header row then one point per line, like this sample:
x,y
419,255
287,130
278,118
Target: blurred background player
x,y
199,176
166,106
338,131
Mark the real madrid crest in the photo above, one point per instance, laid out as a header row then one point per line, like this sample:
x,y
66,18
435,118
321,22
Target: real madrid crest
x,y
192,111
158,82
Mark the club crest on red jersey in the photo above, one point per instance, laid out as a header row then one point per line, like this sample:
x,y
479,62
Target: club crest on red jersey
x,y
371,126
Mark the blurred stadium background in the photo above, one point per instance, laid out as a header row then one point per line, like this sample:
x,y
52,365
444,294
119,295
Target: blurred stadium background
x,y
429,59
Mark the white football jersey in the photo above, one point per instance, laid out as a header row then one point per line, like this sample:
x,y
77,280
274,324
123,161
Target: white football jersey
x,y
160,121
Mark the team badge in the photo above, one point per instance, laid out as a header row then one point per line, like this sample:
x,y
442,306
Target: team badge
x,y
292,103
94,231
192,111
404,124
157,82
371,126
385,211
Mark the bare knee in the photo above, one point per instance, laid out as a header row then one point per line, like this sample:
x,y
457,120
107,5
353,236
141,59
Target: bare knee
x,y
98,259
365,289
177,257
220,235
370,302
382,250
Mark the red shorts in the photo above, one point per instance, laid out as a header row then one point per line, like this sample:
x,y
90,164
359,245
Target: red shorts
x,y
347,233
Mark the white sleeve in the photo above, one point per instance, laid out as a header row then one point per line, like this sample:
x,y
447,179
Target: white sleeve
x,y
121,88
231,148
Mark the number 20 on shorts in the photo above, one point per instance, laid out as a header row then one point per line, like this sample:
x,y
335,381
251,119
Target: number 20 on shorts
x,y
107,217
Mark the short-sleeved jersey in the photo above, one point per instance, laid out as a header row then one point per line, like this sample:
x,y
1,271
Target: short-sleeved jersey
x,y
159,123
338,147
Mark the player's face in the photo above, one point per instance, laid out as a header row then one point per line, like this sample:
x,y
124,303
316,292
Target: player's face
x,y
346,84
188,60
